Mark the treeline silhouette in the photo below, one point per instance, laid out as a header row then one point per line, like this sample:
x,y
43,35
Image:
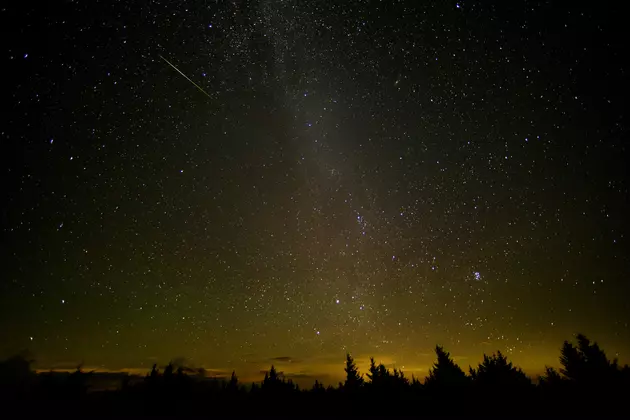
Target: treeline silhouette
x,y
587,383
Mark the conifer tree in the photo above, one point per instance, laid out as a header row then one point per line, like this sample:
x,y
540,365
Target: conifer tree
x,y
587,364
372,371
354,380
497,372
168,371
445,372
273,374
232,385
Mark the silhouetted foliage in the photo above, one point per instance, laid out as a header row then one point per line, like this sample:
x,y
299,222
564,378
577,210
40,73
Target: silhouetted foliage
x,y
382,380
586,364
354,380
232,385
445,373
317,387
272,384
497,373
16,377
551,378
373,372
416,384
16,369
152,376
168,371
494,387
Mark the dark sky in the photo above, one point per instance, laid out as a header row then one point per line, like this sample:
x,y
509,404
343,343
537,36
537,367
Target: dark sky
x,y
307,178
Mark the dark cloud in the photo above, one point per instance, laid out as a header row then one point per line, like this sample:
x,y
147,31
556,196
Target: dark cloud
x,y
285,359
217,373
304,375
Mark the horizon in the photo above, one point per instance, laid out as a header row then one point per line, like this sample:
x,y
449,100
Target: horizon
x,y
304,372
494,386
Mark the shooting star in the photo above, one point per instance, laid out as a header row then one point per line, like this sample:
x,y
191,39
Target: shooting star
x,y
187,78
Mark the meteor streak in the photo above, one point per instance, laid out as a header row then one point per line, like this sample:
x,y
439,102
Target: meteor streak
x,y
187,78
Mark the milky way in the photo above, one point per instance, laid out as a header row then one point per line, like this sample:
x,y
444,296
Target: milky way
x,y
372,177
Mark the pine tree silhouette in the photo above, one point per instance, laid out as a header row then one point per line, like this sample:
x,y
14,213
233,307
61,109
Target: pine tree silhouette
x,y
154,371
152,378
399,379
354,381
587,365
232,385
384,381
571,362
168,371
496,372
317,387
272,383
416,384
372,371
586,376
551,378
445,372
586,383
379,375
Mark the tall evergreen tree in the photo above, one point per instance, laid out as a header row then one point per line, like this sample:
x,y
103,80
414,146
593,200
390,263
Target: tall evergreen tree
x,y
153,377
551,378
445,372
372,371
384,380
497,372
232,385
168,371
416,384
587,363
317,387
354,380
272,381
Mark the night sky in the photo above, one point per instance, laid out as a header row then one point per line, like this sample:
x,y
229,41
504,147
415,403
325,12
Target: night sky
x,y
241,183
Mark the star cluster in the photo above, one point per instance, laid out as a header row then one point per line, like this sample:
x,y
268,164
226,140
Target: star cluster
x,y
373,177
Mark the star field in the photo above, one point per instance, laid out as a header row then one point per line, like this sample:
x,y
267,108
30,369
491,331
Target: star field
x,y
372,177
